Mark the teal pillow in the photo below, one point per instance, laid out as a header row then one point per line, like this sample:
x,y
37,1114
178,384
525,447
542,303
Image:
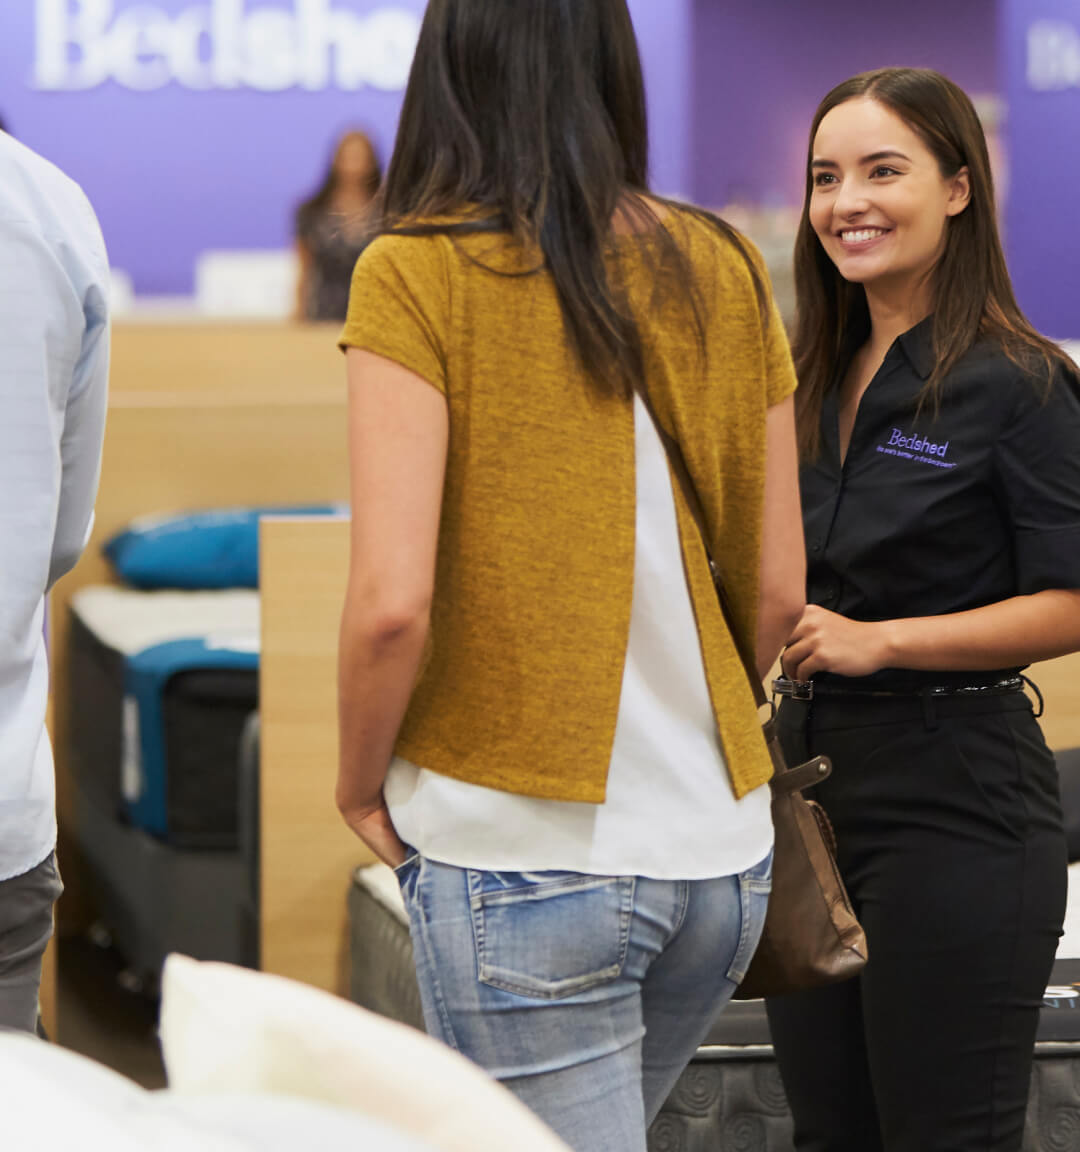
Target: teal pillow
x,y
216,548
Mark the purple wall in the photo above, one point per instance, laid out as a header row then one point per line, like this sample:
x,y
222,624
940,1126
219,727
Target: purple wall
x,y
1041,54
761,68
664,31
208,160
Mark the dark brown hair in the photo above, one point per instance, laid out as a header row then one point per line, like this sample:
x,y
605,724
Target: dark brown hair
x,y
530,115
972,296
317,203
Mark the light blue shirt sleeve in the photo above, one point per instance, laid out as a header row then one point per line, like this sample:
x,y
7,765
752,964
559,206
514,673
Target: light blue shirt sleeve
x,y
84,413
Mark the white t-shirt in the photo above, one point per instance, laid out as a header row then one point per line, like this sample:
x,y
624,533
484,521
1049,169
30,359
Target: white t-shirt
x,y
54,364
670,811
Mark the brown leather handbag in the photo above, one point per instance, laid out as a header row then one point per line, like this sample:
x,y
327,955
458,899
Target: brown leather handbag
x,y
811,936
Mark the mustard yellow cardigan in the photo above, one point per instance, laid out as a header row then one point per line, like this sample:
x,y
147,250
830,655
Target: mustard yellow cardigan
x,y
535,565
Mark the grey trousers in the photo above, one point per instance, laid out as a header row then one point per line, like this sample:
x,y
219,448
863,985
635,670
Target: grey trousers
x,y
26,924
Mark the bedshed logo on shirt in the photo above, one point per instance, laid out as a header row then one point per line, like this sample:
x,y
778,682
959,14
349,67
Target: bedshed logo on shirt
x,y
917,448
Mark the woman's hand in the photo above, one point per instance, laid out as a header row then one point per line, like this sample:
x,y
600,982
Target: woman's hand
x,y
373,825
824,641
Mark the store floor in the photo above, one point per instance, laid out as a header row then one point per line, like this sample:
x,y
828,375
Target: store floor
x,y
99,1017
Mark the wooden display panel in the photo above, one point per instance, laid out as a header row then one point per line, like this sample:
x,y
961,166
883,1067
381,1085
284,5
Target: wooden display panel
x,y
308,853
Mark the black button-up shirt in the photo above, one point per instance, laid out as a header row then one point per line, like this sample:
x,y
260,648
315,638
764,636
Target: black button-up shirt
x,y
939,515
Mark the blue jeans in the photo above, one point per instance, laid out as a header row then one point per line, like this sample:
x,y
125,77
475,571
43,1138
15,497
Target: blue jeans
x,y
585,995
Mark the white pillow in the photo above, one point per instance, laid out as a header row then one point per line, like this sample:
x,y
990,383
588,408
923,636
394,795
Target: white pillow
x,y
59,1101
228,1029
261,1123
54,1099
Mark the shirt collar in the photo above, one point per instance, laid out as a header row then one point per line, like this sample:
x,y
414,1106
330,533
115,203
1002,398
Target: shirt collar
x,y
918,346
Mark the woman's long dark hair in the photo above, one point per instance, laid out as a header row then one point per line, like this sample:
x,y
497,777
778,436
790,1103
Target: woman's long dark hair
x,y
316,204
972,294
530,115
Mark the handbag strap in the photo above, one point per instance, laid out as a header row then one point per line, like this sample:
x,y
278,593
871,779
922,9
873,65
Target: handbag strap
x,y
678,466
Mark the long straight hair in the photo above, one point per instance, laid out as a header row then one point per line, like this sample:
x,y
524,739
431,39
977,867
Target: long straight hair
x,y
530,115
320,200
971,294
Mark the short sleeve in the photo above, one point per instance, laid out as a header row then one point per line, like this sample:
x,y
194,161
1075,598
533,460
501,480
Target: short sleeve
x,y
399,305
1038,475
780,379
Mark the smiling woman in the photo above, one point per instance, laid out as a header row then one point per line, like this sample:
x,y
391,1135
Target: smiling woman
x,y
941,505
880,212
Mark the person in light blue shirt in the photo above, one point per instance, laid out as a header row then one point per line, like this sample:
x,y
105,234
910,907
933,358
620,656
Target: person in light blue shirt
x,y
54,362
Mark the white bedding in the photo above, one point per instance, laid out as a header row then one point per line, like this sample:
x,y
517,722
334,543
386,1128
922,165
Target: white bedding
x,y
381,882
128,620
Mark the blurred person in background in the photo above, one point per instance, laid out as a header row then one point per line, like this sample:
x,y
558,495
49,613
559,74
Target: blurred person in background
x,y
941,505
331,229
54,364
539,694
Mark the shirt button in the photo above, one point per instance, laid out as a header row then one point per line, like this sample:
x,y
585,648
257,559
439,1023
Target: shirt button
x,y
830,593
815,548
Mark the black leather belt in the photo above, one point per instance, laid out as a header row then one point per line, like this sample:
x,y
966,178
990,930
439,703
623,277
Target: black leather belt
x,y
808,690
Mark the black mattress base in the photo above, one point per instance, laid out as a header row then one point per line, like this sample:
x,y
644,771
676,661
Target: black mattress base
x,y
204,712
155,898
730,1096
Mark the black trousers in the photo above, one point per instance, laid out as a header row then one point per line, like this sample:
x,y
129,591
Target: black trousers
x,y
951,846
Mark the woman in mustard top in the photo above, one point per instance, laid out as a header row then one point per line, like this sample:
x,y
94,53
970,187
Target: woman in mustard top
x,y
545,726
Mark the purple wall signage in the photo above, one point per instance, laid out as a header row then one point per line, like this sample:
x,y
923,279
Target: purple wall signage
x,y
81,44
1041,42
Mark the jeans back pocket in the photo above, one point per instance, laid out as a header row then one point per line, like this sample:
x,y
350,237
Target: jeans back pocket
x,y
549,935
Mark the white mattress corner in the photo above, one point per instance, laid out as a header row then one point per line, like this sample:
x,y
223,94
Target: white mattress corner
x,y
380,881
129,620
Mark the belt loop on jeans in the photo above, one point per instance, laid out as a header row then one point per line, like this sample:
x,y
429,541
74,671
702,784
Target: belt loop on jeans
x,y
929,711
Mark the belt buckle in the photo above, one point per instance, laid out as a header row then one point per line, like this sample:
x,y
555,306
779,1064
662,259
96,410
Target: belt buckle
x,y
795,689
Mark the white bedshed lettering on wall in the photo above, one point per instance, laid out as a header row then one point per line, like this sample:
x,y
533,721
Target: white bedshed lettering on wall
x,y
82,44
1053,56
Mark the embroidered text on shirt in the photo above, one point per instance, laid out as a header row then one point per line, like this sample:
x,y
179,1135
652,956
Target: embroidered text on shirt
x,y
917,448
